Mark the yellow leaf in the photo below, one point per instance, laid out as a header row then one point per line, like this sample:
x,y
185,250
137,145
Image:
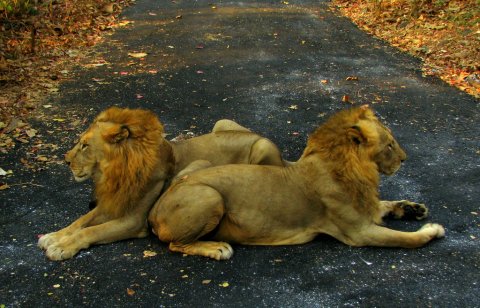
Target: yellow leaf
x,y
224,284
137,54
149,253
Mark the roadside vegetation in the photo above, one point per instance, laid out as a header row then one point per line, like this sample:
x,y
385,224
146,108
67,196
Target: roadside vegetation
x,y
444,33
39,41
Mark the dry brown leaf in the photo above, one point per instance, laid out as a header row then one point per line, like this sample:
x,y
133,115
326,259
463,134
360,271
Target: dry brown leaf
x,y
130,292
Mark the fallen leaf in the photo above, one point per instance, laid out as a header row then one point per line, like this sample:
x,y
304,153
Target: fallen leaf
x,y
56,286
137,54
200,46
346,99
31,132
4,186
324,81
199,72
224,284
22,140
293,107
3,172
354,78
149,253
206,281
59,120
42,158
130,292
124,23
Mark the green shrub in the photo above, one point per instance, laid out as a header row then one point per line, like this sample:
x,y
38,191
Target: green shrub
x,y
10,8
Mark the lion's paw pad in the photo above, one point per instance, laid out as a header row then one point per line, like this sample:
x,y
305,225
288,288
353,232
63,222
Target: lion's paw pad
x,y
413,210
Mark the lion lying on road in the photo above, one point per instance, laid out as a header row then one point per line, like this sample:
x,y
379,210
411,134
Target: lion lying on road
x,y
129,161
332,189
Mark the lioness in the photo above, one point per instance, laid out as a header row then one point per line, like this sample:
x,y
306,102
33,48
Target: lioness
x,y
125,154
332,189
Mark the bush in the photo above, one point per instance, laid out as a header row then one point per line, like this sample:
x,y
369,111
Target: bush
x,y
9,8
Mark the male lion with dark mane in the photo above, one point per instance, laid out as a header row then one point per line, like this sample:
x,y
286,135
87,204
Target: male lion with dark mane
x,y
130,162
332,189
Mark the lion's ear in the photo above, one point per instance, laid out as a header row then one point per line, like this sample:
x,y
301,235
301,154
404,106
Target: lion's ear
x,y
116,133
356,135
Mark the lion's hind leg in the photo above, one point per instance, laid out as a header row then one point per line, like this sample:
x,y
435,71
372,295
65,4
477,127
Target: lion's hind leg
x,y
225,124
184,214
265,152
404,209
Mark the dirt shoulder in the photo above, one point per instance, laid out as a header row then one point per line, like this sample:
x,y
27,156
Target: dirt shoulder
x,y
444,34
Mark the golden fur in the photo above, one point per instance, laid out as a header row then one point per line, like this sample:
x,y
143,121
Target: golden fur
x,y
125,154
332,189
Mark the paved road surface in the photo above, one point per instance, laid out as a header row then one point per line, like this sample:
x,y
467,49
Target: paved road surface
x,y
279,69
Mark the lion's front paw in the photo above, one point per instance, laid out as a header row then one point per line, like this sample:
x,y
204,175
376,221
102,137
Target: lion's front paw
x,y
60,251
405,209
434,230
48,239
414,210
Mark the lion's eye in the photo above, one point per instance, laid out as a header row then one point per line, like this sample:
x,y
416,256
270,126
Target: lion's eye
x,y
83,146
390,146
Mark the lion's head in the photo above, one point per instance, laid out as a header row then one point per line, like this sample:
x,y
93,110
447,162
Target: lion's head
x,y
119,150
356,139
355,147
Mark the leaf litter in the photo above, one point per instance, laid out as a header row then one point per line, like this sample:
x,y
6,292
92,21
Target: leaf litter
x,y
444,34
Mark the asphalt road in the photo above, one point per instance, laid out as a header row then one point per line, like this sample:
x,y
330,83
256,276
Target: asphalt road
x,y
279,69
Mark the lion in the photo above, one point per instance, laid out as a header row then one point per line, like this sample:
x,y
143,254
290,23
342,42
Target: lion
x,y
130,162
331,189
